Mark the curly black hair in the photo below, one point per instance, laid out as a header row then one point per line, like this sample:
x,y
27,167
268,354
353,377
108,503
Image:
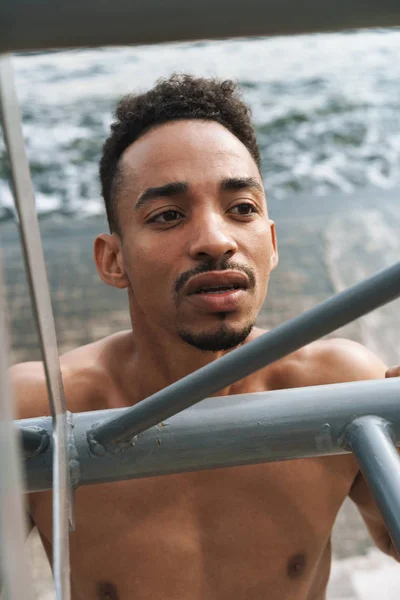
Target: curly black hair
x,y
179,97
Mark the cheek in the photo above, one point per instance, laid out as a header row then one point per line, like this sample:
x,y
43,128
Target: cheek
x,y
262,252
149,270
261,258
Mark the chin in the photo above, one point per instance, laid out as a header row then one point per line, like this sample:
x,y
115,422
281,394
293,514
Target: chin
x,y
224,337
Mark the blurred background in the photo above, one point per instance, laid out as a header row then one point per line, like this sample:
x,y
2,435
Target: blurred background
x,y
326,109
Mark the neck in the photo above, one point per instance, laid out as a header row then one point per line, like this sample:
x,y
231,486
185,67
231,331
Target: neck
x,y
157,358
162,360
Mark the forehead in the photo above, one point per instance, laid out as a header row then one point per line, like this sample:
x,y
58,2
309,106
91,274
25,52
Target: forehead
x,y
193,151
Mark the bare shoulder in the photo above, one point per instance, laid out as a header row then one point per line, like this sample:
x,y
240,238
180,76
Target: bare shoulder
x,y
86,379
329,361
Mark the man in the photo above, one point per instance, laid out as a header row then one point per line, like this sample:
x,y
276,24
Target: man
x,y
192,243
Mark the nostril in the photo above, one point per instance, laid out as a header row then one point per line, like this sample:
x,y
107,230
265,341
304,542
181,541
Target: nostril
x,y
216,249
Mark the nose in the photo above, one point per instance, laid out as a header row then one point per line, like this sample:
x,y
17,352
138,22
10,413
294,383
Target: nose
x,y
211,238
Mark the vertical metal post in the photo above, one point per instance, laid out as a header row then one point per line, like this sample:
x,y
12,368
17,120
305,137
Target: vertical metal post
x,y
371,441
15,569
36,273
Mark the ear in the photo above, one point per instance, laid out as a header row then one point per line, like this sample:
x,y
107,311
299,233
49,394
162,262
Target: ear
x,y
274,259
109,260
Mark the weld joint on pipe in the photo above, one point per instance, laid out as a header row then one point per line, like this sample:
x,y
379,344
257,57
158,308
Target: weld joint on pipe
x,y
359,424
73,455
99,449
95,446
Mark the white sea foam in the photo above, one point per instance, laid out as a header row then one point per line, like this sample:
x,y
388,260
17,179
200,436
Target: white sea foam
x,y
326,108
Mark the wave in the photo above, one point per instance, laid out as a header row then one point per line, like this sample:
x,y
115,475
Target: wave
x,y
325,109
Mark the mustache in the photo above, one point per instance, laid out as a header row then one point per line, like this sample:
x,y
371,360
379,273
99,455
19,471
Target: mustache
x,y
214,265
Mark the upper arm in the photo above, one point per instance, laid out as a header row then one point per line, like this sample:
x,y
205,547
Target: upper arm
x,y
29,390
330,361
362,497
343,360
338,361
352,362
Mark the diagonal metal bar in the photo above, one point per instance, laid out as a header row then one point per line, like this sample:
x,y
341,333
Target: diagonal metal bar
x,y
372,441
292,335
36,273
15,578
68,23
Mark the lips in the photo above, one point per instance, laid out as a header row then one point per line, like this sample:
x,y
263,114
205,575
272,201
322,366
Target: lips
x,y
217,283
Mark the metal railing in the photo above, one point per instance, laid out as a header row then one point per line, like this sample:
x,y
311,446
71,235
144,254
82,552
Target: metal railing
x,y
243,430
40,296
225,431
43,24
15,579
268,348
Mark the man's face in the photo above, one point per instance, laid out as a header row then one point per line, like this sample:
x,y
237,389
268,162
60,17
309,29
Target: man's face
x,y
197,245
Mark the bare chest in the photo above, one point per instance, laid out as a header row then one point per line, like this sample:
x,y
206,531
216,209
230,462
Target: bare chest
x,y
245,532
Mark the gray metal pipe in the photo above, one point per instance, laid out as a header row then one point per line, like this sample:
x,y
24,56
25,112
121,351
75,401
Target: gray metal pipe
x,y
225,432
372,441
34,441
32,251
68,23
15,574
268,348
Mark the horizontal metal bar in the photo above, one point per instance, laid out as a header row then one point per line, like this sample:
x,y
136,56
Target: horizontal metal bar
x,y
228,431
312,325
67,23
370,438
34,441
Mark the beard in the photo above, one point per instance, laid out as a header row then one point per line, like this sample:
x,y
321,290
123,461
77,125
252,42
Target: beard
x,y
225,338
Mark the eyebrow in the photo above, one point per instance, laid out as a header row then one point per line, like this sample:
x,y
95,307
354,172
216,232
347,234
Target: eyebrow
x,y
175,188
241,183
168,190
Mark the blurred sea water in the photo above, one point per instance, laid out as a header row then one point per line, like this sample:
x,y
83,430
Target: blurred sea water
x,y
326,109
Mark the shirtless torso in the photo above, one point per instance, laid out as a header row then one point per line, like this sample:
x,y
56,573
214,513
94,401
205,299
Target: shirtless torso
x,y
249,533
192,243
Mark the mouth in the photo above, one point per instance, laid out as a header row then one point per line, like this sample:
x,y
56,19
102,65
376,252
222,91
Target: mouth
x,y
217,282
218,291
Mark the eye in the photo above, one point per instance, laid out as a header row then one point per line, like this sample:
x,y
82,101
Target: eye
x,y
168,216
244,209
